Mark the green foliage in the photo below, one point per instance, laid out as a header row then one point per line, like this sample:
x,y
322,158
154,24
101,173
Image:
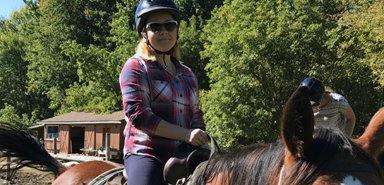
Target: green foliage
x,y
48,66
259,52
364,32
78,52
123,31
60,56
98,67
360,53
9,115
89,98
13,70
201,9
190,46
194,14
98,88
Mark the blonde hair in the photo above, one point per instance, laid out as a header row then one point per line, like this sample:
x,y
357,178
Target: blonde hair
x,y
147,53
328,89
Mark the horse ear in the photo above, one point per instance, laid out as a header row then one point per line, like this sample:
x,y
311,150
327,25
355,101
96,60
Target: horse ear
x,y
297,124
372,139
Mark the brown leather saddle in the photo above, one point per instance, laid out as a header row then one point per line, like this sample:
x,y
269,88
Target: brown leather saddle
x,y
177,170
184,164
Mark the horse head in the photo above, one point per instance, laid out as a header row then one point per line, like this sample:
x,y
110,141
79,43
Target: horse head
x,y
325,155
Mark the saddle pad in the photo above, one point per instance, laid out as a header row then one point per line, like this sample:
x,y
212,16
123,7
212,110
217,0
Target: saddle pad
x,y
111,177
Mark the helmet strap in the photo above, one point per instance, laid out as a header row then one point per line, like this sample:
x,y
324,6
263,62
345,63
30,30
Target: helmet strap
x,y
145,37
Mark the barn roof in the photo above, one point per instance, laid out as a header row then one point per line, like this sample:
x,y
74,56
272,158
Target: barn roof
x,y
84,118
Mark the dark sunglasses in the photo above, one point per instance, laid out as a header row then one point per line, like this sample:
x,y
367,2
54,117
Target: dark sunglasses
x,y
158,26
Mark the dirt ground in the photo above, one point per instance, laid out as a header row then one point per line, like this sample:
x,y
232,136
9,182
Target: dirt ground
x,y
27,176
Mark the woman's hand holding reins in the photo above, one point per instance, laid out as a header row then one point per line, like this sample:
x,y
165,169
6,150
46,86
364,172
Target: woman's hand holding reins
x,y
196,137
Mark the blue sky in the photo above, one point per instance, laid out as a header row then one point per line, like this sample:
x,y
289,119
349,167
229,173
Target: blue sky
x,y
9,6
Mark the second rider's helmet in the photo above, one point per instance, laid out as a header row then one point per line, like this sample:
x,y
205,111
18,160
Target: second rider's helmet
x,y
316,89
147,6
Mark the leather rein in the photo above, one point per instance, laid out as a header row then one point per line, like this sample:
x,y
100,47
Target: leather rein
x,y
214,149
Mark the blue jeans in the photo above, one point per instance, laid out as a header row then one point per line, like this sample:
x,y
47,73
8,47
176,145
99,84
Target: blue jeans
x,y
143,170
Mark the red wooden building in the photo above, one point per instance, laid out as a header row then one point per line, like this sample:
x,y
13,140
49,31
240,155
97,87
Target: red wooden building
x,y
76,131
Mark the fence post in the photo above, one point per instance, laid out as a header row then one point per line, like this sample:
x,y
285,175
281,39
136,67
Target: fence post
x,y
107,143
8,166
55,145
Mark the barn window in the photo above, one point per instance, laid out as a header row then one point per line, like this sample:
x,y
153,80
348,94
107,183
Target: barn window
x,y
52,132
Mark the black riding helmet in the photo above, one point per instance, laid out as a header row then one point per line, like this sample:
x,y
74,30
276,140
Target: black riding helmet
x,y
147,6
316,89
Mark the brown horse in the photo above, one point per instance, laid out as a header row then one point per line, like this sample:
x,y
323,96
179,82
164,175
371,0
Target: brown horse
x,y
305,155
21,144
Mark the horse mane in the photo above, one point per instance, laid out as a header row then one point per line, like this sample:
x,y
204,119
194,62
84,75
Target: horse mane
x,y
19,143
261,163
248,164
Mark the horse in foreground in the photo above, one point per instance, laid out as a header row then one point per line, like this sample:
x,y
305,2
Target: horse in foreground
x,y
305,155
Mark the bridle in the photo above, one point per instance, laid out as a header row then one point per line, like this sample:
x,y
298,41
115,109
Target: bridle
x,y
281,175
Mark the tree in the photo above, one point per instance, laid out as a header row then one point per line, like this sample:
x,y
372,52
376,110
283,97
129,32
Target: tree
x,y
13,76
13,71
56,65
364,32
190,48
360,52
9,114
99,65
195,14
201,9
258,53
98,88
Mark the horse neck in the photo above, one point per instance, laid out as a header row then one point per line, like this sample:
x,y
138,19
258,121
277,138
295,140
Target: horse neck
x,y
372,139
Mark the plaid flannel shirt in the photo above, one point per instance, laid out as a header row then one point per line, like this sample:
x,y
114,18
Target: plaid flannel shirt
x,y
150,94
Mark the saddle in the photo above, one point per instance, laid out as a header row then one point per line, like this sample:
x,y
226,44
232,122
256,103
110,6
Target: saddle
x,y
177,170
181,166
